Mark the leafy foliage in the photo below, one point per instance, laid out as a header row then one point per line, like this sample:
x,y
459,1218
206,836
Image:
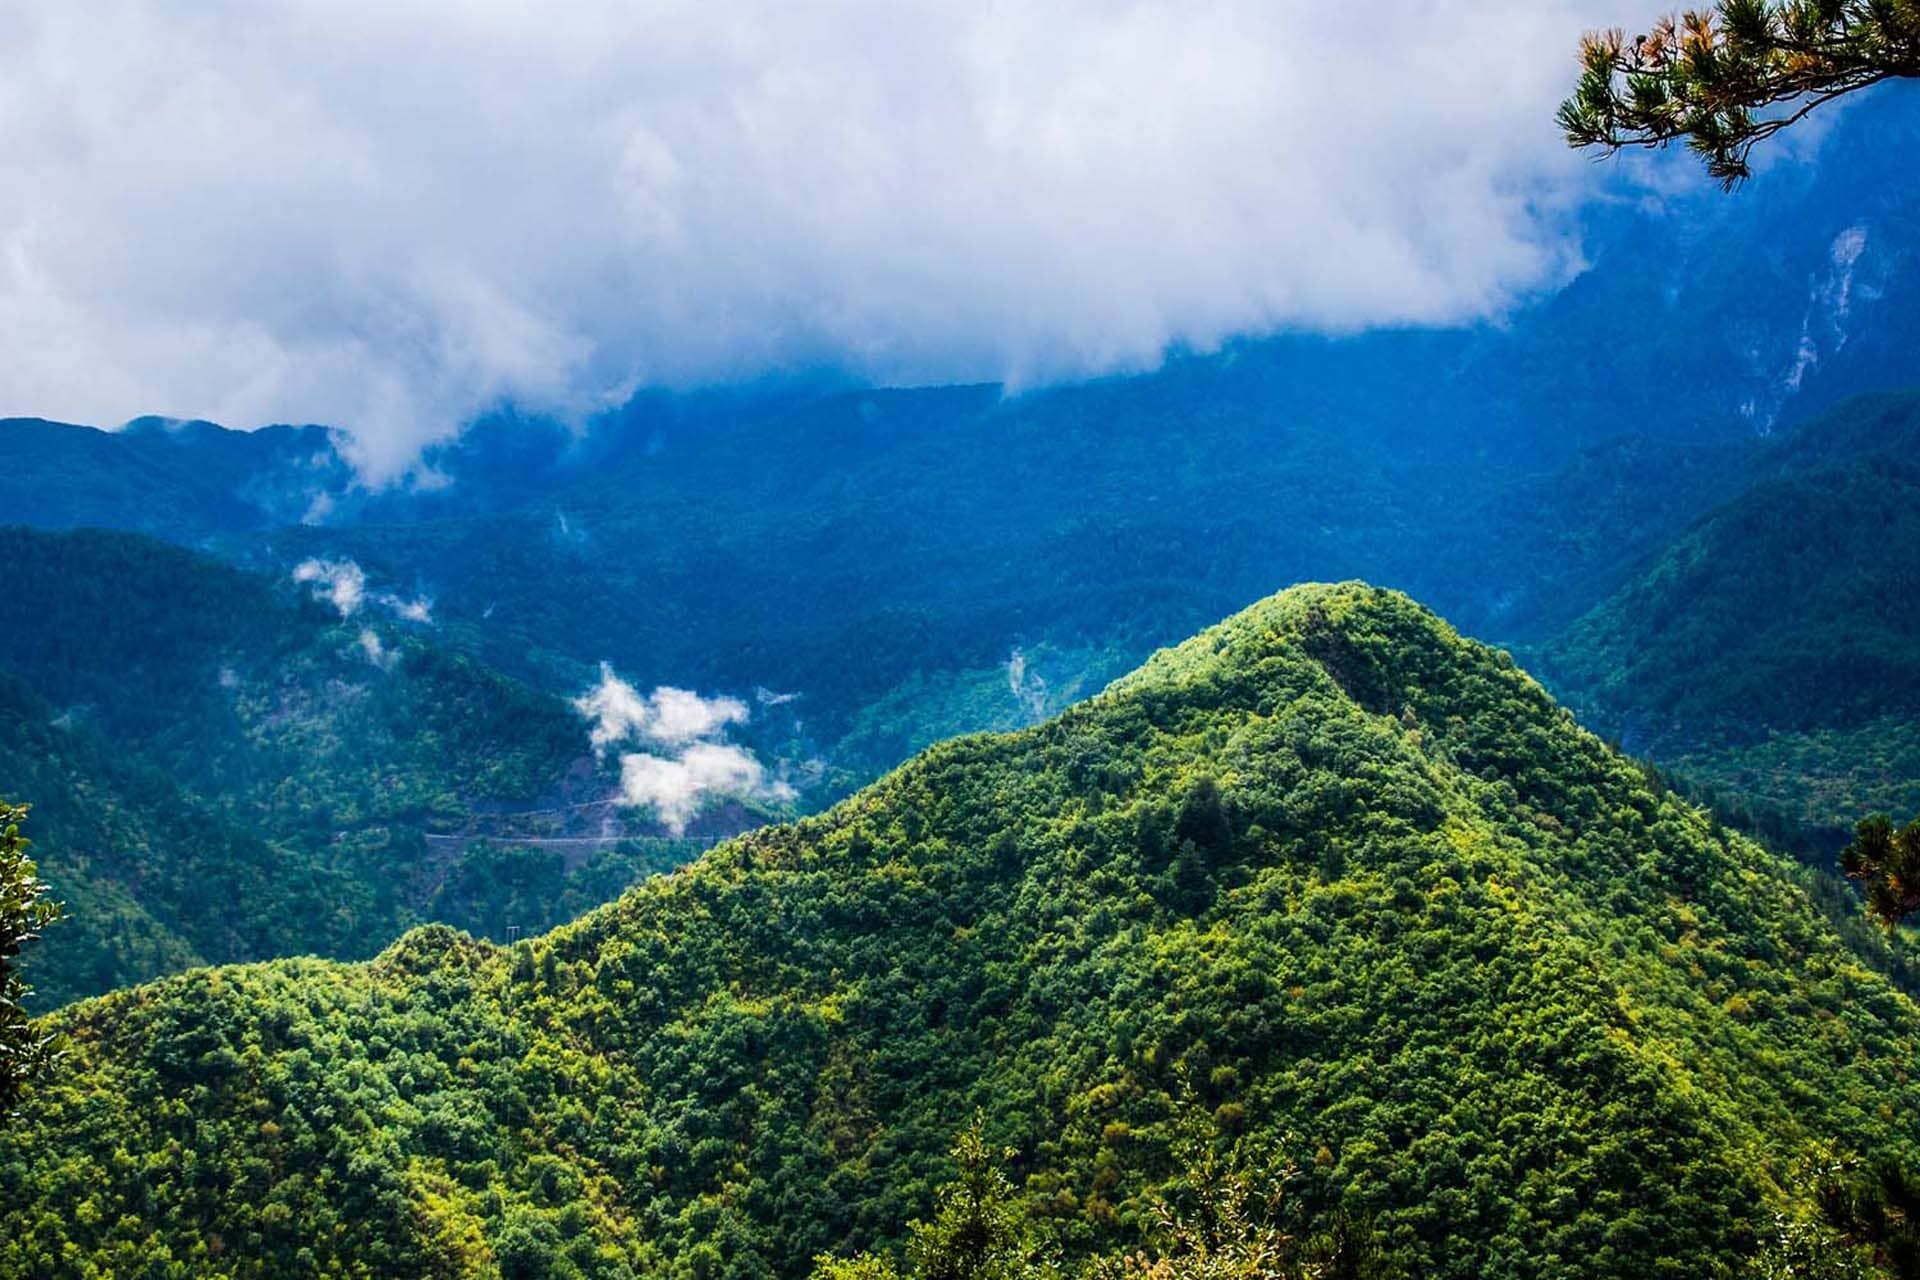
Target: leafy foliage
x,y
1887,860
978,1231
1358,880
1877,1209
1703,76
1818,778
1768,651
1221,1219
25,909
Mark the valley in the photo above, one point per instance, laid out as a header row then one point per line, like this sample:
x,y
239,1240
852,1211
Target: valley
x,y
955,643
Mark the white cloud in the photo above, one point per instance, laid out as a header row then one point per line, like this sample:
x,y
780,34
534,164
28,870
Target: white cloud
x,y
681,717
616,708
341,583
691,764
418,610
668,717
387,216
375,652
675,788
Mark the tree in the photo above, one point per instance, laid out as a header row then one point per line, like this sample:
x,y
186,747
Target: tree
x,y
978,1231
1223,1218
1727,78
1877,1209
1887,861
1227,1217
25,910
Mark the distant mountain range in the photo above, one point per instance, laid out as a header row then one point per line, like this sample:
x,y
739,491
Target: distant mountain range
x,y
1772,648
1609,481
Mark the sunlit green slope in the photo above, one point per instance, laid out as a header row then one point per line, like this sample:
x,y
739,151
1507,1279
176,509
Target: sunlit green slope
x,y
1357,879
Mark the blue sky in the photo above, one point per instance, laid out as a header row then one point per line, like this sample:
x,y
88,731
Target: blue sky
x,y
388,215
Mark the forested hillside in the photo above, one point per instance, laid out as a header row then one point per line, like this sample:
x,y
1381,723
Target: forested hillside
x,y
225,768
150,878
1772,650
1357,880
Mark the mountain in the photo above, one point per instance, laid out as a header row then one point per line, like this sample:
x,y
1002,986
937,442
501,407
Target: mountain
x,y
148,876
884,553
1356,880
227,768
183,481
1771,649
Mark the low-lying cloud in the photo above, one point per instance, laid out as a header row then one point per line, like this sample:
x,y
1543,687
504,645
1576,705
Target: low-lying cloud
x,y
688,762
418,610
343,584
667,716
375,652
677,787
388,217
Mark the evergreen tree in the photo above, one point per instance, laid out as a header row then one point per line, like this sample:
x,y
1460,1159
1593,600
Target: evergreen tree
x,y
1878,1209
1228,1217
1726,78
24,911
1887,861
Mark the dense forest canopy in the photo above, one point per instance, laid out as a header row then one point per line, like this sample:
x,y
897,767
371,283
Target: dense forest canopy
x,y
1769,650
1358,880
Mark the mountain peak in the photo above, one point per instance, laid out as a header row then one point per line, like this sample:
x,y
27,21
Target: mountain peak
x,y
1355,878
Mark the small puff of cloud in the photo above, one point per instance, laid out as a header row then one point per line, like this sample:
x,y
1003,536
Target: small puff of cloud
x,y
668,717
419,610
375,652
689,762
676,787
341,583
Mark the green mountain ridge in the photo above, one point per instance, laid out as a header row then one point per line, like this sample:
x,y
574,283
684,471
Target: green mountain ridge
x,y
1359,878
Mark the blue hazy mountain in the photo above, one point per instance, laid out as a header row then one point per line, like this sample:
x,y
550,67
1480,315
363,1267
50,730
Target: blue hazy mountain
x,y
917,562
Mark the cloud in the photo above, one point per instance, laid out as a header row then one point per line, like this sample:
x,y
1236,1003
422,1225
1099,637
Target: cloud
x,y
692,762
676,787
616,708
418,610
680,717
341,583
390,216
668,716
375,652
